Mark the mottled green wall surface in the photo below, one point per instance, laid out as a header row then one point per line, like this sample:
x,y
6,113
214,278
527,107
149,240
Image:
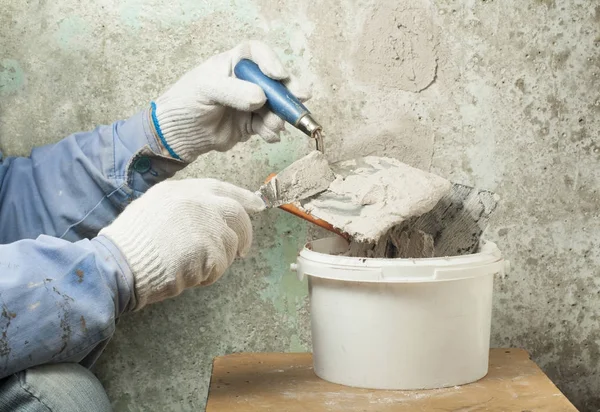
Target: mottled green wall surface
x,y
498,94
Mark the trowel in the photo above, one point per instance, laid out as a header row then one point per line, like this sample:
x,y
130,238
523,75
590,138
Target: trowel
x,y
451,225
302,179
455,223
275,192
358,198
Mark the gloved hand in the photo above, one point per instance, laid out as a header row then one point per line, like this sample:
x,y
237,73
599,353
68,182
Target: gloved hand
x,y
183,233
209,109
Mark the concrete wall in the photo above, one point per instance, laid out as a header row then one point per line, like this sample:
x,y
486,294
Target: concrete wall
x,y
499,94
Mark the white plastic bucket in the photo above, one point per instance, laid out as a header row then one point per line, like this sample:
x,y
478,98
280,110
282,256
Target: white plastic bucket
x,y
399,323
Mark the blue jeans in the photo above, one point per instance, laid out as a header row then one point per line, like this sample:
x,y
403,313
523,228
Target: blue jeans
x,y
64,387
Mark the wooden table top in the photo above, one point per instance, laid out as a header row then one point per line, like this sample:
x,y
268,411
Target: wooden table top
x,y
286,382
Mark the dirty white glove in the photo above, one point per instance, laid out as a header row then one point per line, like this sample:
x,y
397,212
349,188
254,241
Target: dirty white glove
x,y
209,109
183,233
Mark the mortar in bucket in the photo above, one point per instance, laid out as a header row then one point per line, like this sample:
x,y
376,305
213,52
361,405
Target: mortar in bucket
x,y
399,324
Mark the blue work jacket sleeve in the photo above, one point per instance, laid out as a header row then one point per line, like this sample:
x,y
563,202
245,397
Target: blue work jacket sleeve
x,y
75,187
60,300
60,292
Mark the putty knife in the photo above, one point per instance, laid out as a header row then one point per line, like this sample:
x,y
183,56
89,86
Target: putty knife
x,y
363,197
304,178
452,227
456,223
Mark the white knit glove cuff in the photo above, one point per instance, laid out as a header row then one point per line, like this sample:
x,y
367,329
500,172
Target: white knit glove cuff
x,y
142,257
177,127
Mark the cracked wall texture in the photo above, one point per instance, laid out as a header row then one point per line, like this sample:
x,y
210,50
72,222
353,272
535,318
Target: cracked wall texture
x,y
498,94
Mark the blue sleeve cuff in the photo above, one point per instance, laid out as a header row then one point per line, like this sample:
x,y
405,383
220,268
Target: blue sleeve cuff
x,y
136,132
125,299
138,154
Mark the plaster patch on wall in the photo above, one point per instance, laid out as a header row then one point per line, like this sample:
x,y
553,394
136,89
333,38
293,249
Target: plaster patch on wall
x,y
12,77
397,46
404,139
292,38
290,29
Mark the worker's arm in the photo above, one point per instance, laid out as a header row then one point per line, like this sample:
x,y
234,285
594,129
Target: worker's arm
x,y
75,187
59,300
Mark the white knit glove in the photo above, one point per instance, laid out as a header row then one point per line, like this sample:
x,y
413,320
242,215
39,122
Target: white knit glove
x,y
209,109
183,233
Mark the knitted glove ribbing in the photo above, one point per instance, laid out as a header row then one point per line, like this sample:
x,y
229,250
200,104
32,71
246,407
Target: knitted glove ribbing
x,y
182,234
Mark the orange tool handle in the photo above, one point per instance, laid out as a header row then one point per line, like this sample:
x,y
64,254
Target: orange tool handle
x,y
308,217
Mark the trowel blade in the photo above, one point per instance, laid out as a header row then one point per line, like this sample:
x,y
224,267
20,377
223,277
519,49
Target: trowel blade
x,y
304,178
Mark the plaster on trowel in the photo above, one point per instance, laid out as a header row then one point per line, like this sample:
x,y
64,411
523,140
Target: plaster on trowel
x,y
372,194
304,178
359,198
384,207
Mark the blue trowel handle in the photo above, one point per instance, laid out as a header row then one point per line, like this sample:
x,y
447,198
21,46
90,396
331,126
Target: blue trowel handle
x,y
279,99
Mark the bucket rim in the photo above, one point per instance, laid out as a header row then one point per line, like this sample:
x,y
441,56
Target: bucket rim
x,y
489,252
331,266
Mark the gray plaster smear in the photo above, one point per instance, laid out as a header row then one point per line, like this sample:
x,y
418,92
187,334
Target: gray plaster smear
x,y
500,95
